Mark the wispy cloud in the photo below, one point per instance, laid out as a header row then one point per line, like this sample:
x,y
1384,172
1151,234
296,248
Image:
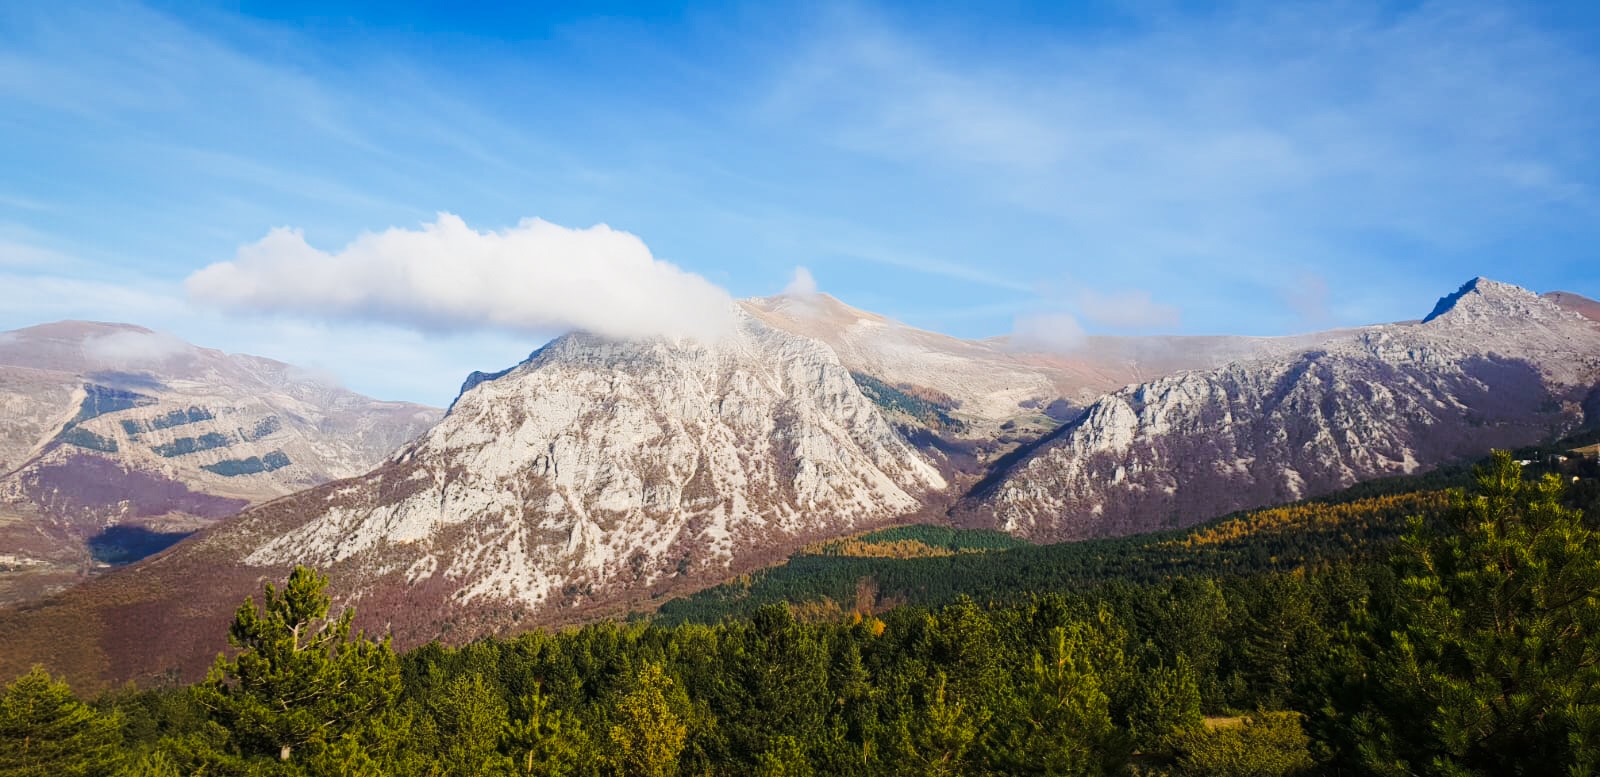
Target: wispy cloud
x,y
1127,310
1236,138
925,264
32,297
16,253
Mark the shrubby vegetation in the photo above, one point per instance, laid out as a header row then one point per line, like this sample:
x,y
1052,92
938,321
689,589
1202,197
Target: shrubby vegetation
x,y
1470,649
923,405
274,460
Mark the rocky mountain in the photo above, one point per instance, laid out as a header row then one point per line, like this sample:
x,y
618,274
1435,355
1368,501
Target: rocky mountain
x,y
1492,365
995,389
115,439
586,480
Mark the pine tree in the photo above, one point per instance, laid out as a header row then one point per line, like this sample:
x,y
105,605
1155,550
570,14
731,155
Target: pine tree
x,y
46,732
648,735
1166,701
155,764
936,742
301,677
544,740
785,758
1065,725
470,717
1489,662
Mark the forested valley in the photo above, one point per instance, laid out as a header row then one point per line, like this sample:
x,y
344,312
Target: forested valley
x,y
1444,625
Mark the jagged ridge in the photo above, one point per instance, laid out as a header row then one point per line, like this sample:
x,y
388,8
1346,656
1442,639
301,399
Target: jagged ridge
x,y
1493,366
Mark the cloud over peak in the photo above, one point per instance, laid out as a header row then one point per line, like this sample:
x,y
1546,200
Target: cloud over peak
x,y
536,277
1128,310
134,348
1047,332
803,284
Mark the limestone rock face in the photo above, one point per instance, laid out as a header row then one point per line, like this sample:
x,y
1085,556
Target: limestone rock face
x,y
597,469
1493,365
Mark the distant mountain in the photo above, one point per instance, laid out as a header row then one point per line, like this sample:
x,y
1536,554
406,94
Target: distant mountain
x,y
1492,366
998,388
116,440
1576,303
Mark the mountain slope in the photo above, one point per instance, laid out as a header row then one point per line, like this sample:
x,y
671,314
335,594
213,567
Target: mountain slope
x,y
587,479
1493,366
113,431
1576,303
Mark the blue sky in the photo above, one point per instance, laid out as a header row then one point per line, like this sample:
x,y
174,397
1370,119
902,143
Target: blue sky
x,y
1258,168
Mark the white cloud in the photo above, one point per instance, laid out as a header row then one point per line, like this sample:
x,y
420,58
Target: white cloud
x,y
536,277
802,284
1055,332
1127,310
134,349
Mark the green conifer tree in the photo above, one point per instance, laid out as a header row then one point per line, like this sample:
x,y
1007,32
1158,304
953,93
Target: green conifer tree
x,y
155,764
1270,744
936,742
648,735
786,757
1065,726
1489,662
46,732
470,717
1166,701
543,740
301,677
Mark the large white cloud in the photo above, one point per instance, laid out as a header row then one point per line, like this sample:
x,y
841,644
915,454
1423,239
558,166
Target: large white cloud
x,y
536,277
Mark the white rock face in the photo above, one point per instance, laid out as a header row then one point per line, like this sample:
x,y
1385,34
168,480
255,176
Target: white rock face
x,y
1494,365
598,467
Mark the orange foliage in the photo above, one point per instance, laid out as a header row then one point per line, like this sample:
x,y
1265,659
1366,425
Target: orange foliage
x,y
1360,514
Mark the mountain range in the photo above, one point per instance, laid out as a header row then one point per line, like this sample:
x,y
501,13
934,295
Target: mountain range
x,y
116,439
603,476
1492,366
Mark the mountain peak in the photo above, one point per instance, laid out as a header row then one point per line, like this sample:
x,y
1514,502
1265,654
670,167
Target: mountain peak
x,y
821,309
73,330
1484,296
